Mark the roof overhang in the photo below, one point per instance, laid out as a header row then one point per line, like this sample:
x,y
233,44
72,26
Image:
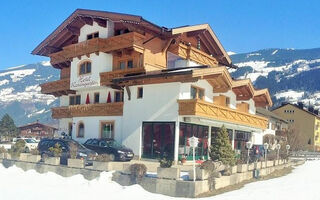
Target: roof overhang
x,y
207,35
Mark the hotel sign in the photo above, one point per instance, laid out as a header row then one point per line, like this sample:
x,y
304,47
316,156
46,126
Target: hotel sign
x,y
83,82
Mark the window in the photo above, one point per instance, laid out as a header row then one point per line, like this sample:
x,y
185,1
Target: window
x,y
122,65
107,129
72,100
75,100
197,93
85,68
227,101
130,64
96,97
80,130
78,100
140,93
118,96
92,35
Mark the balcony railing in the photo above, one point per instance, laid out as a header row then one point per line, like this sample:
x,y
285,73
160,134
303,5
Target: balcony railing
x,y
189,52
57,88
85,110
106,77
215,112
129,40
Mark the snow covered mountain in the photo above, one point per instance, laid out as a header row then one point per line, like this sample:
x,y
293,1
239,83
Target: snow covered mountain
x,y
291,75
20,94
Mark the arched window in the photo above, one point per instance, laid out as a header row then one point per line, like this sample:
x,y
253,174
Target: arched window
x,y
85,68
80,130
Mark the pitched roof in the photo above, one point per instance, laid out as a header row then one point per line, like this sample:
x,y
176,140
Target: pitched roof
x,y
307,111
67,32
268,113
37,122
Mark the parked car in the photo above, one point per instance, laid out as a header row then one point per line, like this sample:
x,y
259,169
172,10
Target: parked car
x,y
82,152
30,143
116,150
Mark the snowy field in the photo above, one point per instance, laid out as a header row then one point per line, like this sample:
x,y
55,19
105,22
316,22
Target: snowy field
x,y
15,184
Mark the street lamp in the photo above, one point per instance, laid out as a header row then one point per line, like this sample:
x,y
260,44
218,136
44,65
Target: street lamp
x,y
248,145
265,146
288,148
278,149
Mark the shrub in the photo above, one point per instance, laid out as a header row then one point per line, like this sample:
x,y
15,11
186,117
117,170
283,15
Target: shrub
x,y
56,150
3,150
137,172
35,152
73,150
103,158
165,163
221,149
17,148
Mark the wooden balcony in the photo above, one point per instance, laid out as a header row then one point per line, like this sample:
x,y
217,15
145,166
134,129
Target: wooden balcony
x,y
209,110
189,52
57,88
131,40
106,77
86,110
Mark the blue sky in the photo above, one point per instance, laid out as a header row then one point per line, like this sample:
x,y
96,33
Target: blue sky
x,y
241,25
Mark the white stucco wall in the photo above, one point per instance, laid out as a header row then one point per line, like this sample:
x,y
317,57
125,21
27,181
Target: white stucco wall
x,y
64,125
159,103
185,90
99,63
92,127
64,100
103,32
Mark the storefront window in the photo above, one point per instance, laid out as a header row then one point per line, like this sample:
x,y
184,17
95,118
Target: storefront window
x,y
158,139
241,137
187,131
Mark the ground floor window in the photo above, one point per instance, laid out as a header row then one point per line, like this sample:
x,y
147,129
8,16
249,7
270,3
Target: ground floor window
x,y
107,129
158,139
241,137
80,130
70,130
215,130
188,130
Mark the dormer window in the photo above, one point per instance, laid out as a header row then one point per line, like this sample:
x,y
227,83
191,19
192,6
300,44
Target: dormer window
x,y
85,68
92,35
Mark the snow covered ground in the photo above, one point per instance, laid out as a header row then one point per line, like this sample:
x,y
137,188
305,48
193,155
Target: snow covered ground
x,y
15,184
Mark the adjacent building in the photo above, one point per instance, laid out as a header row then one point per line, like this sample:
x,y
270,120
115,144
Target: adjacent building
x,y
276,124
149,87
305,121
37,130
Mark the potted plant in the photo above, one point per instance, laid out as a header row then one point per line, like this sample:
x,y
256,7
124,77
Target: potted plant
x,y
183,159
102,163
56,151
73,161
35,156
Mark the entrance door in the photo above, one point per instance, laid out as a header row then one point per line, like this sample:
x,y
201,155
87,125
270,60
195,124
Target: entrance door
x,y
158,139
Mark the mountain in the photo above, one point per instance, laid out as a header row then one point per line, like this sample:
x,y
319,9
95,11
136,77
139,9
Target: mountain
x,y
20,94
291,75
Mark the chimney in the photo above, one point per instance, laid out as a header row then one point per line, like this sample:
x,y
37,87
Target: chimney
x,y
300,105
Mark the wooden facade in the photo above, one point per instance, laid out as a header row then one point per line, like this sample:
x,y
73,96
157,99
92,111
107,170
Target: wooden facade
x,y
57,88
201,108
84,110
37,130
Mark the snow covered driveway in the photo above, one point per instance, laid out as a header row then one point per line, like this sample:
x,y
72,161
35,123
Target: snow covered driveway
x,y
15,184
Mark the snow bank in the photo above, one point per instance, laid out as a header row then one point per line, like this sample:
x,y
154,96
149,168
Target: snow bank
x,y
16,184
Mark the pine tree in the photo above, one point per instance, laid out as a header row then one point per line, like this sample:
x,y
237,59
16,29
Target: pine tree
x,y
221,149
7,127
